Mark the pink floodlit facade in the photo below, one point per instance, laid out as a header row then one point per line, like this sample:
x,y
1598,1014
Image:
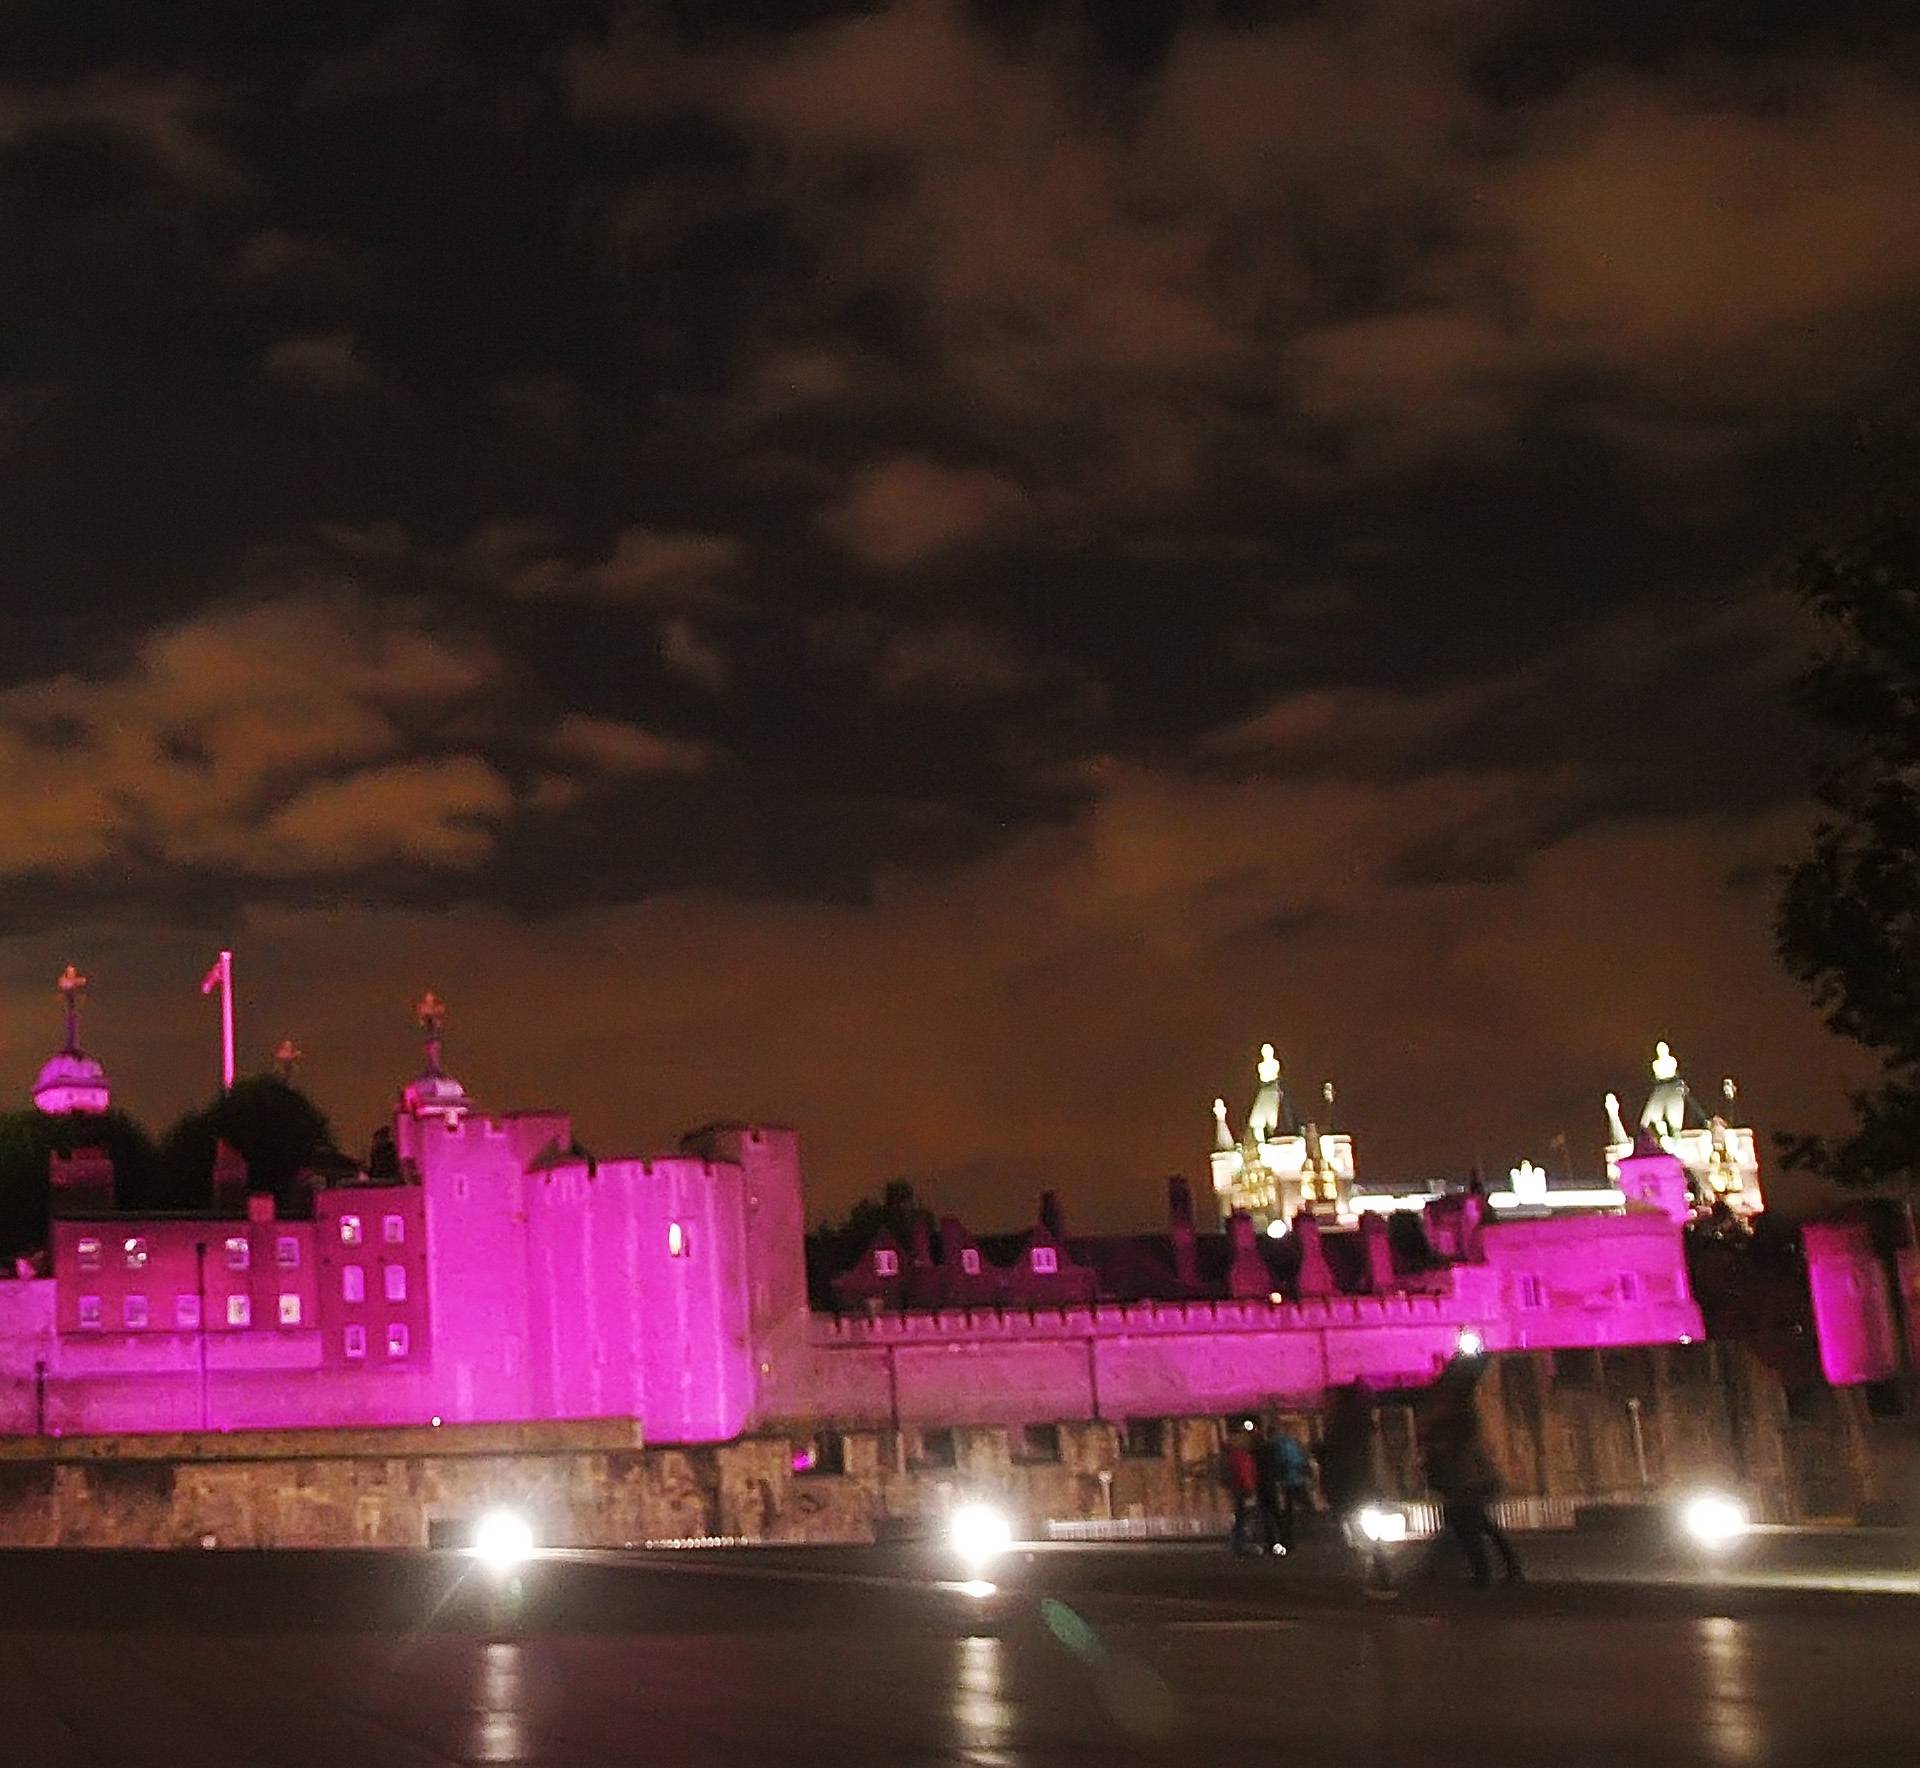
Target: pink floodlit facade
x,y
505,1277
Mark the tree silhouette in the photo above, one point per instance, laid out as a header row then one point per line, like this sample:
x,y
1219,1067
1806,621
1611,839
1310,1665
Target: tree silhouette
x,y
274,1127
1849,916
29,1138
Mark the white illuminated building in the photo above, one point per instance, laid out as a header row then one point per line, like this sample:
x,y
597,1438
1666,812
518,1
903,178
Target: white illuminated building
x,y
1279,1166
1720,1158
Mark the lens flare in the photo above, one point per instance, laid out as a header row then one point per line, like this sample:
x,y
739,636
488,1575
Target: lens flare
x,y
1715,1520
503,1539
979,1533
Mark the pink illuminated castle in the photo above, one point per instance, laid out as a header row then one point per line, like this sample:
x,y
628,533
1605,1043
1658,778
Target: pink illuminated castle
x,y
495,1273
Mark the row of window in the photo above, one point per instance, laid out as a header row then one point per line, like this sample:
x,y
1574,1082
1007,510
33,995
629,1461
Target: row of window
x,y
393,1230
353,1340
136,1313
238,1249
1531,1291
935,1448
136,1316
1043,1259
353,1282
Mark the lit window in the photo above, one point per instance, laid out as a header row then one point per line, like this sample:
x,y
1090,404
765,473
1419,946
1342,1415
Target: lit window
x,y
186,1312
353,1282
1533,1292
1045,1259
396,1340
239,1253
349,1230
396,1281
354,1341
136,1251
89,1254
286,1252
970,1260
133,1313
239,1310
90,1311
289,1310
886,1262
676,1240
393,1230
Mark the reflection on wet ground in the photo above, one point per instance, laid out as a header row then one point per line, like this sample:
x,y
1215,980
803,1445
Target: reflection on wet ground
x,y
1142,1659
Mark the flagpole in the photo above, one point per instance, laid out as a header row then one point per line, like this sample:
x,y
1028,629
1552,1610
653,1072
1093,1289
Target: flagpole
x,y
226,1021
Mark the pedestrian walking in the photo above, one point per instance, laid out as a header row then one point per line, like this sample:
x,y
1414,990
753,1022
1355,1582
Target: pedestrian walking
x,y
1350,1482
1462,1474
1286,1485
1240,1472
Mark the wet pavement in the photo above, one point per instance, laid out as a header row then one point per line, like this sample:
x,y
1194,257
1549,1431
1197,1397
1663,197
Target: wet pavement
x,y
1082,1656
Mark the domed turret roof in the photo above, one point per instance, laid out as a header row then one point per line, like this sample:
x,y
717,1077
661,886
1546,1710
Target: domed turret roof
x,y
71,1080
434,1094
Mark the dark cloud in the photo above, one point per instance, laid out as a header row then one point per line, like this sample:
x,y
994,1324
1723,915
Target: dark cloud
x,y
948,567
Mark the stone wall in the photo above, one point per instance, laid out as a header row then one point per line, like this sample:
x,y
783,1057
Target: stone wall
x,y
1566,1426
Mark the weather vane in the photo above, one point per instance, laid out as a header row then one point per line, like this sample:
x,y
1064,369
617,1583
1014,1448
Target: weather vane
x,y
431,1011
73,986
286,1056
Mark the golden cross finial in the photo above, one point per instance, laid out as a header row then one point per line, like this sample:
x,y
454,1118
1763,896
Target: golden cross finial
x,y
286,1056
73,989
431,1012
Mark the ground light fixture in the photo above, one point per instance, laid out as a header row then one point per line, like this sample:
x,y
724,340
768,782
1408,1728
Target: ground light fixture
x,y
1470,1343
502,1540
1714,1520
979,1534
1381,1524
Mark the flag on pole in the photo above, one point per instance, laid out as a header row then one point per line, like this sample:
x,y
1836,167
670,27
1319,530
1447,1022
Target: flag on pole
x,y
221,977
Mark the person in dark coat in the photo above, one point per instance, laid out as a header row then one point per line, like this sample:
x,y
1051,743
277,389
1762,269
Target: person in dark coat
x,y
1463,1475
1349,1480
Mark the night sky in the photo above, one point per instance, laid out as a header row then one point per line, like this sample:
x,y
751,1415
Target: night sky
x,y
935,572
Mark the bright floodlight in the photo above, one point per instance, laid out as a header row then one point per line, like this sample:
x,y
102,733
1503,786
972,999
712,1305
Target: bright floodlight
x,y
503,1539
1470,1343
1378,1523
1715,1520
979,1533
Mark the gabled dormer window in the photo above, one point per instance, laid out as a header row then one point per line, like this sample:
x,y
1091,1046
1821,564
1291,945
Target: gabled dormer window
x,y
1045,1260
886,1262
970,1260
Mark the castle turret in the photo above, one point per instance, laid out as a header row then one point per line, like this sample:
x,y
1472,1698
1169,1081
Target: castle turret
x,y
434,1092
71,1081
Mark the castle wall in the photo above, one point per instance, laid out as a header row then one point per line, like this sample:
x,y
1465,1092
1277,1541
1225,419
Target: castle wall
x,y
1577,1426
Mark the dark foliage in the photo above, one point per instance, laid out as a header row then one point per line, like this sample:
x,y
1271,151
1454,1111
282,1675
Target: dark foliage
x,y
29,1138
1849,918
274,1126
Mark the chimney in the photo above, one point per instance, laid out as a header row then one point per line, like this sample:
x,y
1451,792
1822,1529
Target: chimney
x,y
1052,1217
260,1206
1247,1273
921,1253
1186,1248
1315,1275
1378,1249
229,1180
81,1182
